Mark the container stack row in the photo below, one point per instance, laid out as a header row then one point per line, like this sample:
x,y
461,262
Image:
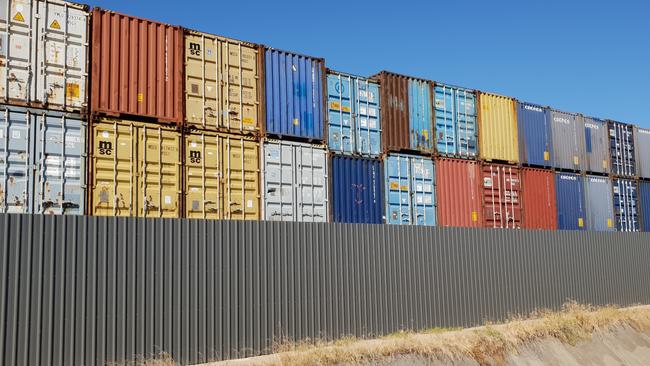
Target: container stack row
x,y
110,114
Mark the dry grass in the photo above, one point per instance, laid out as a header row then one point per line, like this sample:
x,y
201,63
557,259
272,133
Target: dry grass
x,y
163,359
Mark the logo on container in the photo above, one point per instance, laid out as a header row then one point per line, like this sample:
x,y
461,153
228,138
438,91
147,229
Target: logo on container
x,y
592,126
105,147
195,49
568,177
195,157
533,108
645,132
566,121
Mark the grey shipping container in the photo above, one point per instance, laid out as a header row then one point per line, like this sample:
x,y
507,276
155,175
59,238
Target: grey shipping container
x,y
568,141
596,146
622,151
626,204
599,204
642,136
42,161
295,181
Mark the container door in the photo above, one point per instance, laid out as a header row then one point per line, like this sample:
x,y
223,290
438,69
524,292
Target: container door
x,y
279,204
445,120
239,178
311,182
570,202
238,69
202,86
625,205
339,109
622,149
420,115
596,146
535,135
61,165
423,185
642,146
568,141
466,132
398,190
62,49
16,177
598,201
368,128
501,197
644,201
17,49
202,176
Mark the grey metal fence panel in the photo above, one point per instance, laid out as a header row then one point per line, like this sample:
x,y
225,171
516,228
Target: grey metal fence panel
x,y
92,290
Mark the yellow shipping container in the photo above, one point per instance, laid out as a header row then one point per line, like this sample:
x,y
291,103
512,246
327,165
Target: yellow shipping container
x,y
135,169
222,176
497,128
222,90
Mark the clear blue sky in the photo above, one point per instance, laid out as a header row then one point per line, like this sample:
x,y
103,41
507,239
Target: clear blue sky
x,y
591,57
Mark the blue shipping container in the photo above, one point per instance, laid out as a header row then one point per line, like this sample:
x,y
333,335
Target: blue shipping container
x,y
570,202
353,114
420,121
535,135
294,95
410,190
357,196
455,115
626,205
621,146
644,203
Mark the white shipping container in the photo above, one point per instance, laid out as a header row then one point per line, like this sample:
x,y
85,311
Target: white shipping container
x,y
43,54
295,182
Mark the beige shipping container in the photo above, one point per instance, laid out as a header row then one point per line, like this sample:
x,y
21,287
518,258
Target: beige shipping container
x,y
222,176
135,169
497,128
222,91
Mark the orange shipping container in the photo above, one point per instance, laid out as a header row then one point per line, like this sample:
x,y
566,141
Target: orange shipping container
x,y
457,192
137,67
538,198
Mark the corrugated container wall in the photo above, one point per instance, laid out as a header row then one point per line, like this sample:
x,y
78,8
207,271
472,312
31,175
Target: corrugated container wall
x,y
222,83
598,202
354,125
568,141
502,206
642,136
221,176
357,195
44,54
497,128
644,203
458,192
135,169
596,146
535,135
538,199
626,202
137,67
420,115
571,211
455,116
295,177
43,161
410,190
295,101
622,151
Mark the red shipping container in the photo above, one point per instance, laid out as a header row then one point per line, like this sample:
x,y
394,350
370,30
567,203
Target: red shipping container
x,y
538,198
502,207
137,67
458,192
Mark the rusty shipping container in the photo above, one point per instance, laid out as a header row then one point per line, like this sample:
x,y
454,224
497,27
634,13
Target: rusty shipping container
x,y
221,176
222,83
134,169
497,128
538,198
458,192
501,193
137,67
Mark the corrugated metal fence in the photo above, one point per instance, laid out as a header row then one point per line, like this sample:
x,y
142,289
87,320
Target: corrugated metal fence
x,y
91,290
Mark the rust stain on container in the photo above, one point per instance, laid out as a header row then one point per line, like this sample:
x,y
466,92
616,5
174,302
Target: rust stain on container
x,y
458,193
538,198
394,111
137,67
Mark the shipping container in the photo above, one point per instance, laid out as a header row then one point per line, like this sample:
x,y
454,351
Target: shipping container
x,y
571,212
137,67
458,194
135,169
596,146
221,178
357,195
42,161
353,114
455,116
295,177
420,115
294,94
535,135
644,205
222,83
44,54
501,195
497,128
410,190
538,199
568,141
598,202
626,202
621,147
642,144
